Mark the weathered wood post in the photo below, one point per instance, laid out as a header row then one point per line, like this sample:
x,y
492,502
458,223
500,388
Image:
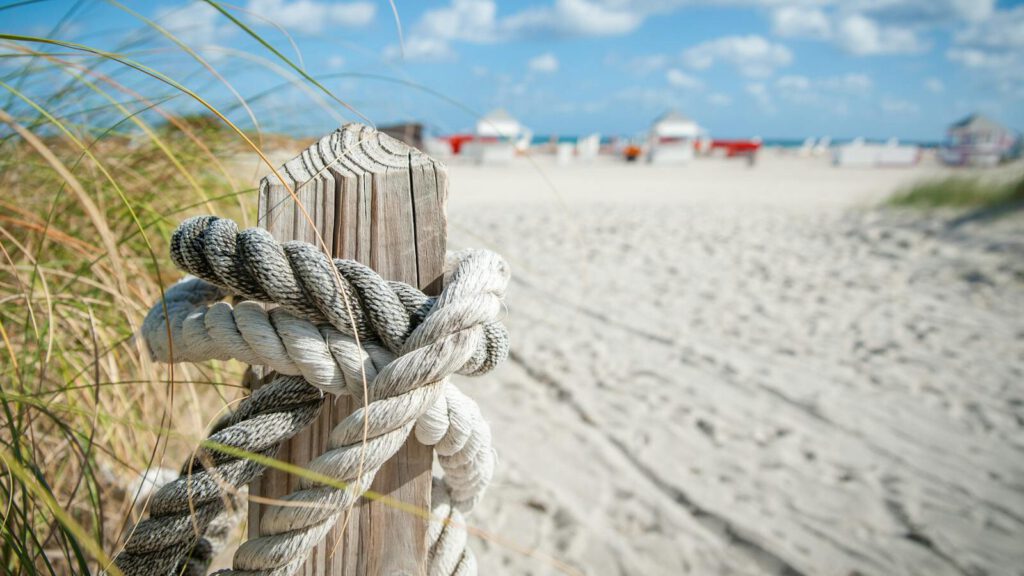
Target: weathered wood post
x,y
376,200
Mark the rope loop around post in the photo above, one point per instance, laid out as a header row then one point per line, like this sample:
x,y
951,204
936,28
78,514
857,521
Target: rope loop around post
x,y
337,322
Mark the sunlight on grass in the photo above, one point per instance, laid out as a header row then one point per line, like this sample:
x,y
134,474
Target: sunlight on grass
x,y
960,192
102,153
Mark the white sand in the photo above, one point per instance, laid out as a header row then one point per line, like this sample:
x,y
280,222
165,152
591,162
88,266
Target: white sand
x,y
723,370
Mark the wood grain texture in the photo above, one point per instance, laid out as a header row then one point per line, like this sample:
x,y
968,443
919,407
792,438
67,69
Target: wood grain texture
x,y
376,200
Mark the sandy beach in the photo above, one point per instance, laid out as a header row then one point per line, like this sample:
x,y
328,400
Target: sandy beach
x,y
765,313
728,370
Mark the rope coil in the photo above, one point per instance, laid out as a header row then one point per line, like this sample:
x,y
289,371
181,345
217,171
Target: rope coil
x,y
404,343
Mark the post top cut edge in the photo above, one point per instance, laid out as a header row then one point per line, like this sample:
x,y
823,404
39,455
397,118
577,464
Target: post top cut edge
x,y
350,151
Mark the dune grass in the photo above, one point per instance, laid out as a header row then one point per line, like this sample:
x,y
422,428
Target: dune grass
x,y
960,192
102,153
83,230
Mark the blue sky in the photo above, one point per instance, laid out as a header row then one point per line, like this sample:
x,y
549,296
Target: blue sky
x,y
774,68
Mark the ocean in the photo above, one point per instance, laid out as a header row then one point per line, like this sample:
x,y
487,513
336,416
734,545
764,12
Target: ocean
x,y
768,142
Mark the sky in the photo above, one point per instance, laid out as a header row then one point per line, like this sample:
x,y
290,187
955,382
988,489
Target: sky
x,y
740,68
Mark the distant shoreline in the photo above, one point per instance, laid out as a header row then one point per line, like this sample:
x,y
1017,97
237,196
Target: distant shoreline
x,y
767,142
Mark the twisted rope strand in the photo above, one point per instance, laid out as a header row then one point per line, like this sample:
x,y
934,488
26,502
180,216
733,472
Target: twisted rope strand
x,y
477,279
403,390
421,342
204,328
180,511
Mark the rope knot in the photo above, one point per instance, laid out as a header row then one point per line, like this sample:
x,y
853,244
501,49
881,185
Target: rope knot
x,y
338,326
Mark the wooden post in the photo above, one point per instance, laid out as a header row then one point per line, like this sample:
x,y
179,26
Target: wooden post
x,y
376,200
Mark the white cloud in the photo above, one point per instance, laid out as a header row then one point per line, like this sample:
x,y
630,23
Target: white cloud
x,y
801,22
992,50
197,24
752,55
897,106
477,22
973,10
719,99
574,18
974,58
638,65
847,84
421,49
862,27
934,85
831,93
647,98
335,62
923,12
759,92
678,79
467,20
646,64
793,83
544,64
312,16
852,84
864,37
873,27
1005,30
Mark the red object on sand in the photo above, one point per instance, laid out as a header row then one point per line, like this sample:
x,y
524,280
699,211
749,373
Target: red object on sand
x,y
736,147
456,141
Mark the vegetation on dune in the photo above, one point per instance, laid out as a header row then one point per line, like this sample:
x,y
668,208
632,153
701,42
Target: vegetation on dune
x,y
100,158
103,151
961,192
83,232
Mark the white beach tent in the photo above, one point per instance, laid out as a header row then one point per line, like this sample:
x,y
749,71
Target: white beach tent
x,y
672,139
866,155
497,135
498,124
588,147
807,147
672,124
822,146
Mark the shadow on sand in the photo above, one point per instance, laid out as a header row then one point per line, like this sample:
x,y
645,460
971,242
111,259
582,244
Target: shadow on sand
x,y
987,213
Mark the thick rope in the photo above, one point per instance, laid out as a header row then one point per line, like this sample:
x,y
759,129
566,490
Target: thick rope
x,y
252,262
324,356
180,512
203,328
401,393
446,536
460,334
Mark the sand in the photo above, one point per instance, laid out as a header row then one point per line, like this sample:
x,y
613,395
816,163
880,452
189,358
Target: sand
x,y
728,370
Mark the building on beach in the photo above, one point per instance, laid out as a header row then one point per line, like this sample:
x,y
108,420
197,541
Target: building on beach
x,y
499,124
672,139
860,153
497,136
979,141
411,133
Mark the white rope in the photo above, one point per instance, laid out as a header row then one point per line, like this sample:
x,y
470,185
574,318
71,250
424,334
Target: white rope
x,y
201,331
421,342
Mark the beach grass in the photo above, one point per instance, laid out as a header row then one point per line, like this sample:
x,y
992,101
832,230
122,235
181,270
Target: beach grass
x,y
83,229
960,192
102,153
